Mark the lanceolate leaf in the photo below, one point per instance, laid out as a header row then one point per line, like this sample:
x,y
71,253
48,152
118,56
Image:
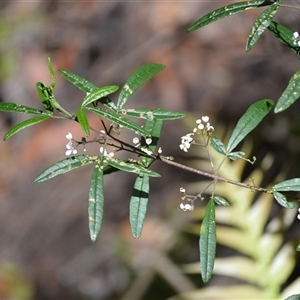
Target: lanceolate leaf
x,y
290,95
24,125
224,12
288,185
96,200
83,120
98,93
78,81
293,297
284,35
217,145
136,79
281,199
260,25
117,119
138,205
236,155
221,201
208,241
130,167
252,117
158,113
65,166
18,108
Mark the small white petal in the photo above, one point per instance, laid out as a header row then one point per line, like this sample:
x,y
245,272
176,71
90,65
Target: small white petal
x,y
69,146
182,206
182,190
201,126
135,140
74,151
148,141
298,217
68,152
205,119
159,150
111,154
198,121
69,136
295,34
101,149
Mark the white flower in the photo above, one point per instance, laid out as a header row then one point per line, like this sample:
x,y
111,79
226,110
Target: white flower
x,y
159,150
135,140
205,119
70,145
105,153
295,35
186,207
186,142
182,190
201,126
148,141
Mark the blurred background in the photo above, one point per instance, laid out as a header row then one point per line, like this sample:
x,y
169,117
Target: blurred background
x,y
45,251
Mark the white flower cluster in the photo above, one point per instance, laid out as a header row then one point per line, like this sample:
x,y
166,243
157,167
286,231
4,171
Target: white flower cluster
x,y
185,207
296,38
203,127
71,145
298,216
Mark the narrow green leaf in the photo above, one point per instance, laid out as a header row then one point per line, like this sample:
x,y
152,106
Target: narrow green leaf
x,y
288,185
217,145
66,165
138,205
221,201
18,108
78,81
136,79
260,25
99,93
83,120
24,125
96,200
130,167
45,93
284,35
157,113
208,241
236,155
224,12
251,118
293,297
154,128
281,199
119,120
51,71
290,95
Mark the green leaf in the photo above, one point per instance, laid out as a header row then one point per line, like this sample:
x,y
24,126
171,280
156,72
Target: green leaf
x,y
119,120
157,113
284,35
136,79
224,12
78,81
252,117
13,107
99,93
290,95
96,200
281,199
293,297
45,93
83,120
260,25
51,71
24,125
208,241
217,145
66,165
138,205
154,128
236,155
221,201
298,248
288,185
130,167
